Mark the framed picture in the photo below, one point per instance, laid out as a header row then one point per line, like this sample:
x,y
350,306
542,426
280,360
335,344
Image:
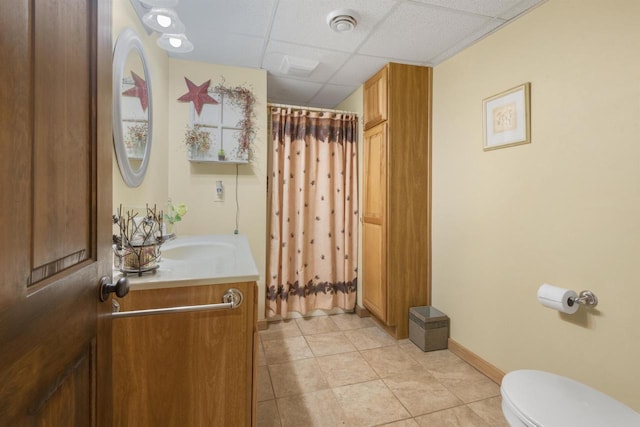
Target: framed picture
x,y
507,118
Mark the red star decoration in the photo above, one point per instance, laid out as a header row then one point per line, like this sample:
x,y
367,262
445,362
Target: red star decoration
x,y
138,90
198,95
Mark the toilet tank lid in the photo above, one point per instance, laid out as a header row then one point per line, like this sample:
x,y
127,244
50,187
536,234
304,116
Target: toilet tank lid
x,y
550,400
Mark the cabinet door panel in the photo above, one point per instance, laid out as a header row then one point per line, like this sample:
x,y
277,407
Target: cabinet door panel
x,y
374,222
375,99
191,369
373,277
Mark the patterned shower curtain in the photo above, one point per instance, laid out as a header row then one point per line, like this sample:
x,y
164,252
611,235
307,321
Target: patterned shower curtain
x,y
313,251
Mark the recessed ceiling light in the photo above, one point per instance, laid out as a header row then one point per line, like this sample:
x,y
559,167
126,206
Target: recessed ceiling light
x,y
163,20
175,43
342,20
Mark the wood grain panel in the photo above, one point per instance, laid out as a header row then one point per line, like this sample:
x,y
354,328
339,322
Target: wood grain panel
x,y
62,42
409,195
407,190
15,151
48,332
375,99
194,369
374,276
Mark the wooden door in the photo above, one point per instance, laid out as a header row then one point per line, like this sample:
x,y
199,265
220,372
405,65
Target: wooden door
x,y
55,230
374,292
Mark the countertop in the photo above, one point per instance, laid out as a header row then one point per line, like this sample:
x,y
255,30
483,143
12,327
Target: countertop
x,y
198,260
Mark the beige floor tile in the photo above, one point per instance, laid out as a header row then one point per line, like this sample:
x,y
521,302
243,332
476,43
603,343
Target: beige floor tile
x,y
280,329
440,360
268,415
262,360
316,409
490,410
469,384
298,377
460,416
286,349
420,392
329,343
316,325
389,361
346,368
265,390
368,338
369,404
349,321
410,422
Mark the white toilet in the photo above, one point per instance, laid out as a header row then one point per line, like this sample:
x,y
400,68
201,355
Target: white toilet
x,y
542,399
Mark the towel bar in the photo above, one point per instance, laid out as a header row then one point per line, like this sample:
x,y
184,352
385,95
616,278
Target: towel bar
x,y
231,299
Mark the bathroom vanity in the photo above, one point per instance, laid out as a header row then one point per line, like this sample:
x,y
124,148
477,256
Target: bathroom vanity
x,y
189,368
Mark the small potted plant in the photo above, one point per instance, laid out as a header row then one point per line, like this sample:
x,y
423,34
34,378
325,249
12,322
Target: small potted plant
x,y
198,140
173,214
221,155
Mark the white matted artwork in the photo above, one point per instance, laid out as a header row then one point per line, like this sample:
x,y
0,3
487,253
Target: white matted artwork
x,y
507,118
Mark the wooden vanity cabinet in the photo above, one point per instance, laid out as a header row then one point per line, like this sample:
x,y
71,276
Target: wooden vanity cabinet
x,y
396,211
186,369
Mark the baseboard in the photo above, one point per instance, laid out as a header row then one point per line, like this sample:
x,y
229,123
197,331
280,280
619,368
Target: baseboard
x,y
362,312
476,361
263,325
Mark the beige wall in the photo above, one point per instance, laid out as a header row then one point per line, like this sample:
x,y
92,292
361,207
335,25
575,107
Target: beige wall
x,y
355,104
564,209
195,183
154,187
170,174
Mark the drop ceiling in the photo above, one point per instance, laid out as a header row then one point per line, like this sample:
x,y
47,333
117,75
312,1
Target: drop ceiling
x,y
260,33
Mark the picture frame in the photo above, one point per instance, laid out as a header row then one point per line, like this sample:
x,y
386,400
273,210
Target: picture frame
x,y
507,118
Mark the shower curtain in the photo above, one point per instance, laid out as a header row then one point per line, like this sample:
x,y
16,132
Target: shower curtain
x,y
313,249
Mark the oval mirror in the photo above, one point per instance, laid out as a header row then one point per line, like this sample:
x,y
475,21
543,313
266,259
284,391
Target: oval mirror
x,y
132,118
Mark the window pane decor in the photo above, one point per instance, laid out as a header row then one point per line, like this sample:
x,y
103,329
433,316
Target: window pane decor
x,y
221,123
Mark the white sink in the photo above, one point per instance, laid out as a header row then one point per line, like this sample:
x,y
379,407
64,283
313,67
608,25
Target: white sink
x,y
198,251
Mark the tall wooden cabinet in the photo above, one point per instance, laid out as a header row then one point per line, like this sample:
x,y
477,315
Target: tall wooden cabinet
x,y
396,217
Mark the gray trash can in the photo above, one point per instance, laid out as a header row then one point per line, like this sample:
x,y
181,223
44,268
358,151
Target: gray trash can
x,y
428,328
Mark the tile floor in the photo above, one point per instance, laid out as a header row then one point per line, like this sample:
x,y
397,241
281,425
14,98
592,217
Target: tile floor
x,y
343,370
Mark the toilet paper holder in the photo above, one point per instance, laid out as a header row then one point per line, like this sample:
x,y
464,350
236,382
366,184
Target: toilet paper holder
x,y
584,298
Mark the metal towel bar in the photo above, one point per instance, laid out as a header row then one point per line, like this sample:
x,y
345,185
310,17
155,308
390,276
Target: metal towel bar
x,y
231,299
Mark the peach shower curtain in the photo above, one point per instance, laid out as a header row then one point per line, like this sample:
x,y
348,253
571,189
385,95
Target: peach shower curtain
x,y
314,212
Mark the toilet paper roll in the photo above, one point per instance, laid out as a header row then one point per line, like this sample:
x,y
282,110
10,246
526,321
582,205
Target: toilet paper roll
x,y
557,298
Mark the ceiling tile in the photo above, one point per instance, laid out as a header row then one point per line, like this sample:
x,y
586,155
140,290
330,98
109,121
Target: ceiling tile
x,y
522,6
304,22
490,8
290,91
220,17
416,32
468,40
329,60
358,69
235,49
332,95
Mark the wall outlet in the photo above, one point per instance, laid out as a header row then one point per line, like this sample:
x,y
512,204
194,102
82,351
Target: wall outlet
x,y
219,192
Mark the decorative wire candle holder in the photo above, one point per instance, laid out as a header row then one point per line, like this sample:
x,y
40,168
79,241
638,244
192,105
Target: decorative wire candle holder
x,y
136,247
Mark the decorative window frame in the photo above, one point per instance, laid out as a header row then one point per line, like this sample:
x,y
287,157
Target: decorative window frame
x,y
230,124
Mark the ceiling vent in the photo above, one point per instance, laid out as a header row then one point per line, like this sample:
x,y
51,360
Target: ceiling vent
x,y
342,20
298,67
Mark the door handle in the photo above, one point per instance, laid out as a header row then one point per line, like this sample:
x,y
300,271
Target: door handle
x,y
121,287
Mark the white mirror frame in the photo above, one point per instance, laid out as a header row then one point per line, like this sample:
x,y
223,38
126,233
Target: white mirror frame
x,y
128,40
